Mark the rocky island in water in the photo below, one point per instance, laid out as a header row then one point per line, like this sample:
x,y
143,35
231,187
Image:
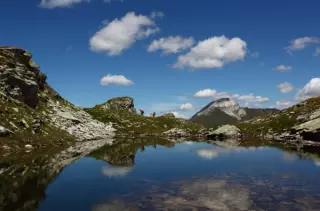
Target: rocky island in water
x,y
42,135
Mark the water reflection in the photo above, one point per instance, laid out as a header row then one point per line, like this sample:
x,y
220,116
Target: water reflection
x,y
157,174
115,171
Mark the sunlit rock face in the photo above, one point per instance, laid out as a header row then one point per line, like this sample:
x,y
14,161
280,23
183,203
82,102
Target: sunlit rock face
x,y
227,111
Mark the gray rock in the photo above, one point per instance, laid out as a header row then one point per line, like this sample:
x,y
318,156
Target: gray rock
x,y
68,116
176,132
303,118
4,131
309,130
227,131
122,102
315,114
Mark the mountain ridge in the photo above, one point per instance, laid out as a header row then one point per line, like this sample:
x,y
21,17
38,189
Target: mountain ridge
x,y
227,111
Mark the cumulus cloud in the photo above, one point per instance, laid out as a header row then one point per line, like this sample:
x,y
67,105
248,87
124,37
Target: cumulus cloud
x,y
211,93
251,98
301,43
285,87
111,171
311,89
187,106
205,93
115,79
171,44
214,52
177,114
282,104
59,3
121,34
282,68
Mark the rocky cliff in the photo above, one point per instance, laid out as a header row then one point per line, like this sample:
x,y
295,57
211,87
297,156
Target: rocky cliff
x,y
32,114
226,111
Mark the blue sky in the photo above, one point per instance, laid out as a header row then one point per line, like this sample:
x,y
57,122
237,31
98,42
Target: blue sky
x,y
168,53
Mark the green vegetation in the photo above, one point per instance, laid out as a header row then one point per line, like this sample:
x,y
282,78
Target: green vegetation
x,y
18,117
279,122
127,121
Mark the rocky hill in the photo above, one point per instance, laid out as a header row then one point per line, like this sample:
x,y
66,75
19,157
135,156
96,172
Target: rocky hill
x,y
297,123
227,111
121,112
32,114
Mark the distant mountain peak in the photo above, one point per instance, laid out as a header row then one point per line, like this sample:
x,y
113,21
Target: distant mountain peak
x,y
226,111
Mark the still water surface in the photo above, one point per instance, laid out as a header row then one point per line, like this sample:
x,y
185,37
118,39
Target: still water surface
x,y
144,175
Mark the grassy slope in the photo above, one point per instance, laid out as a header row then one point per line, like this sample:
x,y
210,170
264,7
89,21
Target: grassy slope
x,y
280,122
13,112
130,122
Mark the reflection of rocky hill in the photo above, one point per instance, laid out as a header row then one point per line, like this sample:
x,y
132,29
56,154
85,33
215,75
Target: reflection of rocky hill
x,y
24,188
122,153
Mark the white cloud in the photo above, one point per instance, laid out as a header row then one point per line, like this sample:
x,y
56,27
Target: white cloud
x,y
156,14
311,89
214,52
282,104
59,3
301,43
115,79
121,34
282,68
211,93
178,115
205,93
111,171
285,87
317,53
251,98
187,106
171,44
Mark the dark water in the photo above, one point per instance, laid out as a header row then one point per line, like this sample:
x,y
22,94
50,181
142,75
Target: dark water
x,y
161,175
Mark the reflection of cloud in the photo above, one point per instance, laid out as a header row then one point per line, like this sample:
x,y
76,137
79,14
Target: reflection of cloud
x,y
207,153
111,171
202,194
188,142
212,153
291,157
317,163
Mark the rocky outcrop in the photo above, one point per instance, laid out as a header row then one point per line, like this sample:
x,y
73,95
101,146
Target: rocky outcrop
x,y
309,130
20,77
121,103
176,133
79,123
226,131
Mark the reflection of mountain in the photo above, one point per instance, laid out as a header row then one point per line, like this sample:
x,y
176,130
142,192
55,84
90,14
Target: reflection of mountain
x,y
122,152
20,191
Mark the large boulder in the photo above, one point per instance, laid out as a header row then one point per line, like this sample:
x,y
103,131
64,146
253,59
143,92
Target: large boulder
x,y
309,130
122,103
226,131
20,77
